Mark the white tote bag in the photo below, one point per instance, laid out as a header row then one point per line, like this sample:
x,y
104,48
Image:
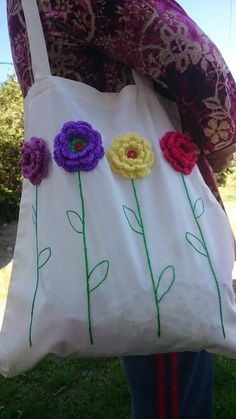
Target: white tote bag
x,y
121,247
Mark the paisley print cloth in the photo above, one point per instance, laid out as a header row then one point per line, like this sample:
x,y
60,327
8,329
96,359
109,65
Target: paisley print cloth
x,y
98,41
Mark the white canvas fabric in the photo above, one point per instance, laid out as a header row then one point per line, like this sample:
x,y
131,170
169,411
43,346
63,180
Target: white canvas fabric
x,y
152,269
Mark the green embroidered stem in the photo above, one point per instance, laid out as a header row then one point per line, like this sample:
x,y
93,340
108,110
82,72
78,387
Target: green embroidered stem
x,y
148,258
78,224
35,220
85,258
206,250
39,264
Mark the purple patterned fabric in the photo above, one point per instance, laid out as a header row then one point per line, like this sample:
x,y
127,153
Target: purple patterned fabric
x,y
78,147
35,159
98,41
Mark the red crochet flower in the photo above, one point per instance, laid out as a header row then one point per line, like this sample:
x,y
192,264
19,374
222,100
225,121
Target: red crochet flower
x,y
180,151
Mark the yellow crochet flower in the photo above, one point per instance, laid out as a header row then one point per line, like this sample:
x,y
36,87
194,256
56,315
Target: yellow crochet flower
x,y
131,156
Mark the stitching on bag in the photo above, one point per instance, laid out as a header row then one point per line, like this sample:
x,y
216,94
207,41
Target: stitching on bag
x,y
71,216
131,156
38,257
170,270
202,242
78,147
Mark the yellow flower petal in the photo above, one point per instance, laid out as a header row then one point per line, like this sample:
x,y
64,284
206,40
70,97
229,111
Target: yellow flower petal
x,y
131,168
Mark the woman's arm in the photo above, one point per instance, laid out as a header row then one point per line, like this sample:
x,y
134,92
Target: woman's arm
x,y
97,40
221,159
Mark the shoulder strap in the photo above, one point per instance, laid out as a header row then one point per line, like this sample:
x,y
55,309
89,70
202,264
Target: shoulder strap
x,y
140,80
38,51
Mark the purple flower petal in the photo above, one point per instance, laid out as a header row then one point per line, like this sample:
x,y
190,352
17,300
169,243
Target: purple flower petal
x,y
34,161
86,159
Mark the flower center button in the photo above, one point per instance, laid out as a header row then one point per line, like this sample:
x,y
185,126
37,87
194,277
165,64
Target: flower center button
x,y
78,144
132,154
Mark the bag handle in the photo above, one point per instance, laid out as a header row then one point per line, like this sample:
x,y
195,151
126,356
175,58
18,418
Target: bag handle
x,y
140,80
38,50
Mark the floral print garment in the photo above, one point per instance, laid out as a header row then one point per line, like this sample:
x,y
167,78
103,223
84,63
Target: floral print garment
x,y
98,41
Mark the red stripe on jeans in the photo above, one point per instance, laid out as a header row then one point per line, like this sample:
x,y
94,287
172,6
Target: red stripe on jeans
x,y
160,365
174,386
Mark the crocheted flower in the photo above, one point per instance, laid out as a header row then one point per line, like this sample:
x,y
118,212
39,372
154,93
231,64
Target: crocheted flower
x,y
131,156
179,151
78,147
34,160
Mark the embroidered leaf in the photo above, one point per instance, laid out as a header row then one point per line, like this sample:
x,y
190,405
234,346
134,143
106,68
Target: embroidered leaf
x,y
199,208
165,282
212,103
75,221
43,257
101,268
132,219
34,215
196,244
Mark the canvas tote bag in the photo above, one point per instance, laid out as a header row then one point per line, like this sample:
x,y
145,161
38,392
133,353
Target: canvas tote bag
x,y
121,247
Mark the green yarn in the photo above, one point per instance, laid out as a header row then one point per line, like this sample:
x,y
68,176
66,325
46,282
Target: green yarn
x,y
137,219
40,260
200,245
78,224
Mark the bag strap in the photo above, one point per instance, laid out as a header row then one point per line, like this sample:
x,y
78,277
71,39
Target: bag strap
x,y
140,80
38,50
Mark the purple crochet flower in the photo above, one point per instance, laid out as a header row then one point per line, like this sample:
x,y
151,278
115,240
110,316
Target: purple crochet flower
x,y
78,147
34,160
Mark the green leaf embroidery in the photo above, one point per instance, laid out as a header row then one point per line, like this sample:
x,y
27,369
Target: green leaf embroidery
x,y
200,245
41,260
34,215
196,243
165,282
103,267
43,257
132,219
199,208
75,221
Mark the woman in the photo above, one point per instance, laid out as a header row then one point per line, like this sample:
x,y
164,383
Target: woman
x,y
97,42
